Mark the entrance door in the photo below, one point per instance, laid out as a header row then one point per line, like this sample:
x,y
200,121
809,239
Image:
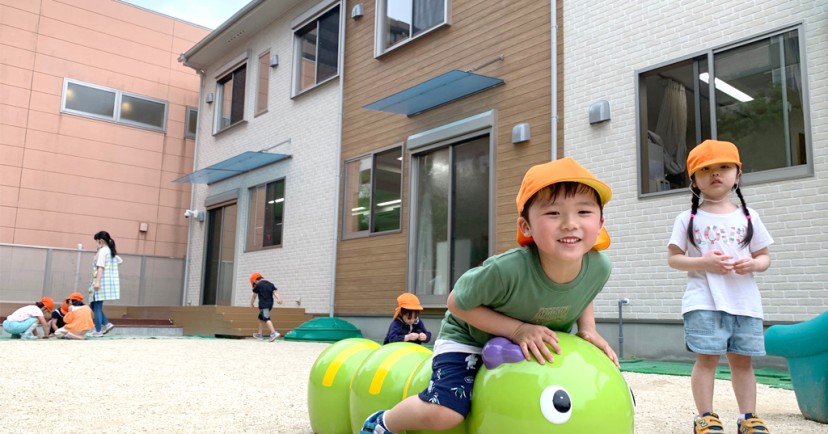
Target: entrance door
x,y
221,246
451,215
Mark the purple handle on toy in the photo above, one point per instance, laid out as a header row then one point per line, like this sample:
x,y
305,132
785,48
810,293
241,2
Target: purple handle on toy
x,y
499,351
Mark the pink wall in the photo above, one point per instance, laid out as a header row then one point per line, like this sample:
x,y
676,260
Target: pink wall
x,y
64,177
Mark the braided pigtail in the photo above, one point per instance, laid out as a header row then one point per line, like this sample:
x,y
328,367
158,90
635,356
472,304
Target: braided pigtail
x,y
749,232
693,209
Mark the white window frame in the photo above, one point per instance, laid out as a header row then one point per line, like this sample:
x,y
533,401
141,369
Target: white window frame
x,y
116,112
251,228
348,234
223,72
777,174
298,24
380,30
262,95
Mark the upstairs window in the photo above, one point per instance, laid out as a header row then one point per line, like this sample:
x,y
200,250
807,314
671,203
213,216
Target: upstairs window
x,y
113,105
267,214
399,21
316,45
751,93
191,123
263,83
373,193
230,97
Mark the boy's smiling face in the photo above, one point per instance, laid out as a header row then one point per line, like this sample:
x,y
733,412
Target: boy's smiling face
x,y
564,227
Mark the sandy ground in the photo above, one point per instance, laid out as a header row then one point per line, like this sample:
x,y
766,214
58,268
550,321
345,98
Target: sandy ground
x,y
247,386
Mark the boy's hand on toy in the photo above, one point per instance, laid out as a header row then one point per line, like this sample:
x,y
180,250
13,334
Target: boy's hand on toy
x,y
715,261
422,337
601,344
533,340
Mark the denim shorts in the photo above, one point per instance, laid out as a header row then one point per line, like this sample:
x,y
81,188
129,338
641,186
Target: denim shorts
x,y
452,380
264,314
716,333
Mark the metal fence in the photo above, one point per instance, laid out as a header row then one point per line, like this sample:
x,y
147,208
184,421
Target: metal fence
x,y
28,273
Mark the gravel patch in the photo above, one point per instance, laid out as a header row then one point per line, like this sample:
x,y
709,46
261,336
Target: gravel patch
x,y
249,386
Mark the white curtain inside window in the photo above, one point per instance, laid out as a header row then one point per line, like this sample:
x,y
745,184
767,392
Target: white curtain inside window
x,y
672,127
427,14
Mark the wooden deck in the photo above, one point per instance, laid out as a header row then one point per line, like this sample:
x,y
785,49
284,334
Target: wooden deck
x,y
226,321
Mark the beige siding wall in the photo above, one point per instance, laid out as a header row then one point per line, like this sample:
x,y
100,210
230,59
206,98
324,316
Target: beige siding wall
x,y
371,271
64,177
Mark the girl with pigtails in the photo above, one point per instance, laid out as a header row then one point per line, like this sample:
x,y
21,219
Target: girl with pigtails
x,y
106,282
720,245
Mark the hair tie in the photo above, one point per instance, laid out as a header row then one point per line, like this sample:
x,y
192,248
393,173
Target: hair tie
x,y
692,215
748,217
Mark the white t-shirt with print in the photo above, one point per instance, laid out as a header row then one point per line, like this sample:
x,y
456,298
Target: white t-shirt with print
x,y
732,293
24,313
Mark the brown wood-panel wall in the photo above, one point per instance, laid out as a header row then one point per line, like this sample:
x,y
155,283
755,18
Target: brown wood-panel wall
x,y
371,271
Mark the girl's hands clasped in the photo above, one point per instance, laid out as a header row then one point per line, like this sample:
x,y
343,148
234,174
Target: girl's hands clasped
x,y
533,339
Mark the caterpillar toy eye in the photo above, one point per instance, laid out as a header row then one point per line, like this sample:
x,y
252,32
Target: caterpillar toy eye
x,y
556,404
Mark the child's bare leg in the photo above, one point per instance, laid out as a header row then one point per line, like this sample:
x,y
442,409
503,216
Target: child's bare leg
x,y
70,335
744,382
702,381
415,414
270,326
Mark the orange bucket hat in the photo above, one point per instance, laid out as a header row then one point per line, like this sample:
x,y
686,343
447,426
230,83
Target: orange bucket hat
x,y
75,296
407,301
254,277
710,152
562,170
48,302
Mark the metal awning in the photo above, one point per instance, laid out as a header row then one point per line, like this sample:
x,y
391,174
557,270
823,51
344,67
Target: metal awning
x,y
435,92
244,162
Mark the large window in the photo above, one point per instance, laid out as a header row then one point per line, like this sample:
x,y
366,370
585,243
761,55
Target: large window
x,y
317,48
266,216
373,193
402,20
230,97
100,102
451,208
750,94
263,82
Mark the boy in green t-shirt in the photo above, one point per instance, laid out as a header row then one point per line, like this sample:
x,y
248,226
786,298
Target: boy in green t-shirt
x,y
525,294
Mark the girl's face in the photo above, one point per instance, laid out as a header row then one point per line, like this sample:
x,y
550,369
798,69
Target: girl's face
x,y
717,181
564,230
410,317
99,243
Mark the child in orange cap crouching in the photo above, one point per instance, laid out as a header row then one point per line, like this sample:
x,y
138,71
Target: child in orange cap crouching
x,y
406,325
78,321
526,294
22,323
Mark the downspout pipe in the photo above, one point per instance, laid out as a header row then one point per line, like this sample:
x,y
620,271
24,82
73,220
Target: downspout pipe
x,y
553,4
187,261
338,177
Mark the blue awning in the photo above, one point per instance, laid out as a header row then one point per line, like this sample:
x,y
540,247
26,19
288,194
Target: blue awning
x,y
244,162
435,92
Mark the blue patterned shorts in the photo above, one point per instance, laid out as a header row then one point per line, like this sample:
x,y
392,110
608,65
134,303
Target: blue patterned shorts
x,y
452,380
716,333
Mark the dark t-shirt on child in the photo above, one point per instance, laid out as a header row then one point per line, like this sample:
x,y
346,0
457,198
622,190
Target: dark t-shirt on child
x,y
264,290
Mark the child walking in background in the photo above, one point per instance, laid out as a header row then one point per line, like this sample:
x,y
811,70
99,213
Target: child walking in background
x,y
721,245
525,294
106,282
266,292
406,325
22,323
78,321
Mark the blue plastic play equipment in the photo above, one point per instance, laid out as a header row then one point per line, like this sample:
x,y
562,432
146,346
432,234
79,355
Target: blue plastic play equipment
x,y
805,347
